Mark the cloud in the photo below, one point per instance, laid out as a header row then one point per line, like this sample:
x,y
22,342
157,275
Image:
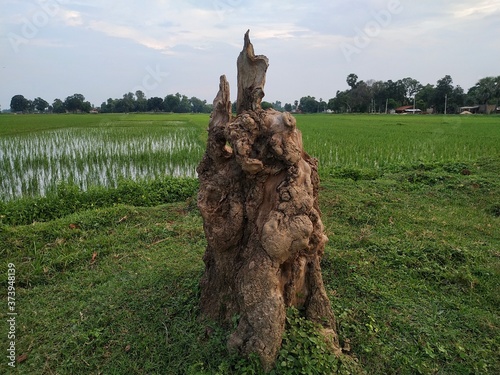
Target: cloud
x,y
283,31
70,17
198,40
158,29
478,9
51,43
129,33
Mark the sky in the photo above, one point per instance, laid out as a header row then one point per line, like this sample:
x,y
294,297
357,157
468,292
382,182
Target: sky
x,y
106,48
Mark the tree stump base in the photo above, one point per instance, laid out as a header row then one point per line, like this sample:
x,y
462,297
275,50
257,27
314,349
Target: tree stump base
x,y
259,201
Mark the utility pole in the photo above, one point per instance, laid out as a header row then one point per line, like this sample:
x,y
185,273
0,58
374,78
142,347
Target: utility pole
x,y
386,104
445,102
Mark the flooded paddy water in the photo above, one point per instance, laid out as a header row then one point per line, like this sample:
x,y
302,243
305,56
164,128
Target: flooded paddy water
x,y
35,163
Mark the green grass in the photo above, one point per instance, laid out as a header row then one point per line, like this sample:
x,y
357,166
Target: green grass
x,y
37,152
387,141
68,198
412,269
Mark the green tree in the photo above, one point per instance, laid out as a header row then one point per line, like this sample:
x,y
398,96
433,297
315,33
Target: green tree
x,y
108,106
140,95
141,103
40,104
277,106
58,106
332,104
19,103
396,91
266,105
485,91
412,87
379,95
198,105
424,97
497,84
352,80
392,104
76,103
456,100
360,97
442,92
308,104
155,104
127,104
122,106
184,104
171,103
321,105
341,103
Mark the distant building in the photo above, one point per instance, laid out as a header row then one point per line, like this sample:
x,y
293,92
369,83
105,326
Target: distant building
x,y
483,108
403,108
472,109
407,109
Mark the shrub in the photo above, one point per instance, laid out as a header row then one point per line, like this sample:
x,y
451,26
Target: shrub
x,y
69,198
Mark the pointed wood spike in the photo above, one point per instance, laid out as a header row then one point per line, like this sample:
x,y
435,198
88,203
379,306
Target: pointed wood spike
x,y
251,77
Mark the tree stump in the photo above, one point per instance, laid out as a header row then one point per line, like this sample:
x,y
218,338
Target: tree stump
x,y
259,201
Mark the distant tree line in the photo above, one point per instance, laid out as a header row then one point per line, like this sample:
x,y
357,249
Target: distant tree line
x,y
129,103
171,103
361,97
380,96
74,103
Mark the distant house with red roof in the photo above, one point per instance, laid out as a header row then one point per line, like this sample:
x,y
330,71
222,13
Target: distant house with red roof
x,y
407,109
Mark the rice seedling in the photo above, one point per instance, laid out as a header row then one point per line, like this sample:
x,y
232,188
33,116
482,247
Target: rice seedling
x,y
379,142
34,163
39,151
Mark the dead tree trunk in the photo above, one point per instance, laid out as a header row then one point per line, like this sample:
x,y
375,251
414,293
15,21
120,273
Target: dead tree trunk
x,y
259,201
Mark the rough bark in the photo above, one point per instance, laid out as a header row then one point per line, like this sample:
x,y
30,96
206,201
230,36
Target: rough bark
x,y
251,77
259,201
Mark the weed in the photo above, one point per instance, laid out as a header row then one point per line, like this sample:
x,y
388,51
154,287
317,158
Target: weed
x,y
68,198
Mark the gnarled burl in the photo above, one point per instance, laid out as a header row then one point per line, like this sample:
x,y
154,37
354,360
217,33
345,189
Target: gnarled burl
x,y
259,201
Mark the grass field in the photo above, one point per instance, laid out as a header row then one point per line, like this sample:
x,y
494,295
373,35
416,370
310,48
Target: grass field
x,y
382,141
37,152
411,205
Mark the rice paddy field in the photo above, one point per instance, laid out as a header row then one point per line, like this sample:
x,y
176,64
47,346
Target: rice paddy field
x,y
389,141
38,152
98,219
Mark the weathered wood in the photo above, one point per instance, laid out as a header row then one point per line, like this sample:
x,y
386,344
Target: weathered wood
x,y
258,198
251,77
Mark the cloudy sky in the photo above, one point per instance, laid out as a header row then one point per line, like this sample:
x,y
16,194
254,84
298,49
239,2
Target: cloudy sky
x,y
106,48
